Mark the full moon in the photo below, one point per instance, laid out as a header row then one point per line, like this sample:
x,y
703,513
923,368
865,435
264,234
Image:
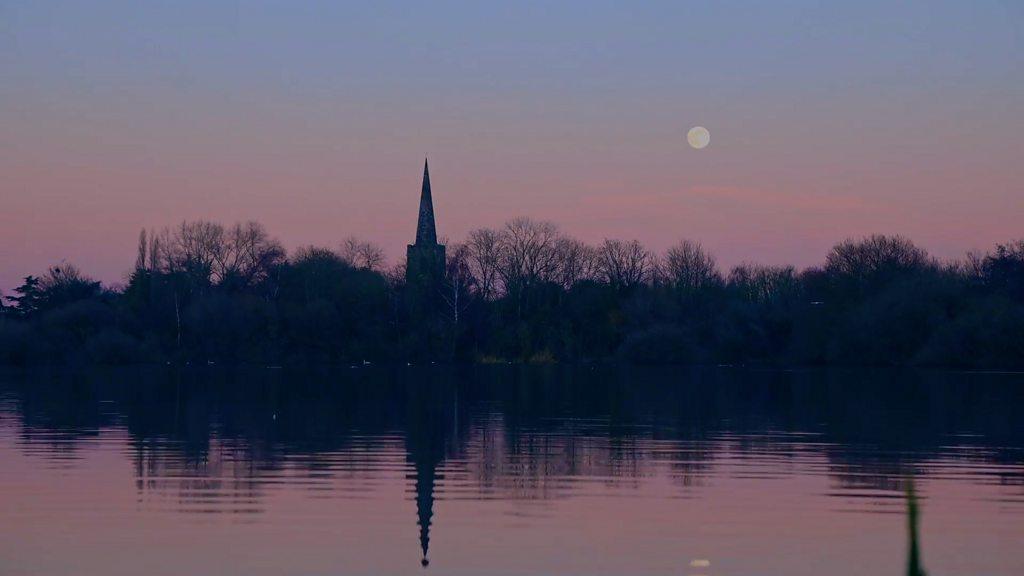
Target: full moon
x,y
698,137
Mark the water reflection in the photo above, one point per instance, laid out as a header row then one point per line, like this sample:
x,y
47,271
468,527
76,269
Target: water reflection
x,y
914,566
228,443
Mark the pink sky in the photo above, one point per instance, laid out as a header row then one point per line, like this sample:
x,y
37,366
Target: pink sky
x,y
823,126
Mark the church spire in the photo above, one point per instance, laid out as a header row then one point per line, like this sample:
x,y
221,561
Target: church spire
x,y
424,260
426,233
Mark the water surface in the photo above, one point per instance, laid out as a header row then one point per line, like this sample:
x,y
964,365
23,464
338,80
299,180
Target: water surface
x,y
510,470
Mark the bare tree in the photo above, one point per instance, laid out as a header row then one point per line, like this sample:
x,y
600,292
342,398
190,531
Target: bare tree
x,y
690,268
762,284
240,256
576,262
483,256
395,275
875,256
458,283
362,254
193,249
247,255
140,258
624,264
155,253
527,253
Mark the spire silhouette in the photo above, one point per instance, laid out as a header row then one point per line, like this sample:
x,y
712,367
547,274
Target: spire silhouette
x,y
425,259
429,417
426,233
425,477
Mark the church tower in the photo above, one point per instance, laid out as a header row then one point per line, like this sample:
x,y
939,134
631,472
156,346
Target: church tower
x,y
424,262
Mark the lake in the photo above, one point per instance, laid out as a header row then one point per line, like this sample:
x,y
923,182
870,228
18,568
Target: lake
x,y
510,470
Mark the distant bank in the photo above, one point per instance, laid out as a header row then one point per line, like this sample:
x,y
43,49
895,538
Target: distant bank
x,y
203,293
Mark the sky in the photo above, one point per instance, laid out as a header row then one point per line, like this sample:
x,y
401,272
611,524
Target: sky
x,y
828,120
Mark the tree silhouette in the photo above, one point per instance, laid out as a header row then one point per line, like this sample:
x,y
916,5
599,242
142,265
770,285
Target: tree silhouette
x,y
205,292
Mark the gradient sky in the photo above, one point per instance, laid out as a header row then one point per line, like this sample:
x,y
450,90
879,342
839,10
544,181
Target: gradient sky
x,y
827,120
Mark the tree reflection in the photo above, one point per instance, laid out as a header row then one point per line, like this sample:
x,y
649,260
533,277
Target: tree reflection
x,y
521,433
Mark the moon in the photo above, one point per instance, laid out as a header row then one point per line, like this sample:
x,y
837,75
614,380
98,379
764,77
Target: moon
x,y
698,137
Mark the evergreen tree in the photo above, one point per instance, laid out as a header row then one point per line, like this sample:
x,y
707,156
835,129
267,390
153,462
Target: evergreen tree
x,y
29,297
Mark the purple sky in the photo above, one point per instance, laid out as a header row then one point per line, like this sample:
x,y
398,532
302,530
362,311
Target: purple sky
x,y
827,121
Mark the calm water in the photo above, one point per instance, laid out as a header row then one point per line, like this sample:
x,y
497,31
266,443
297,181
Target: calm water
x,y
510,471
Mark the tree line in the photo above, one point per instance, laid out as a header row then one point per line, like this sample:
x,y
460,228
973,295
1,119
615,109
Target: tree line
x,y
203,293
